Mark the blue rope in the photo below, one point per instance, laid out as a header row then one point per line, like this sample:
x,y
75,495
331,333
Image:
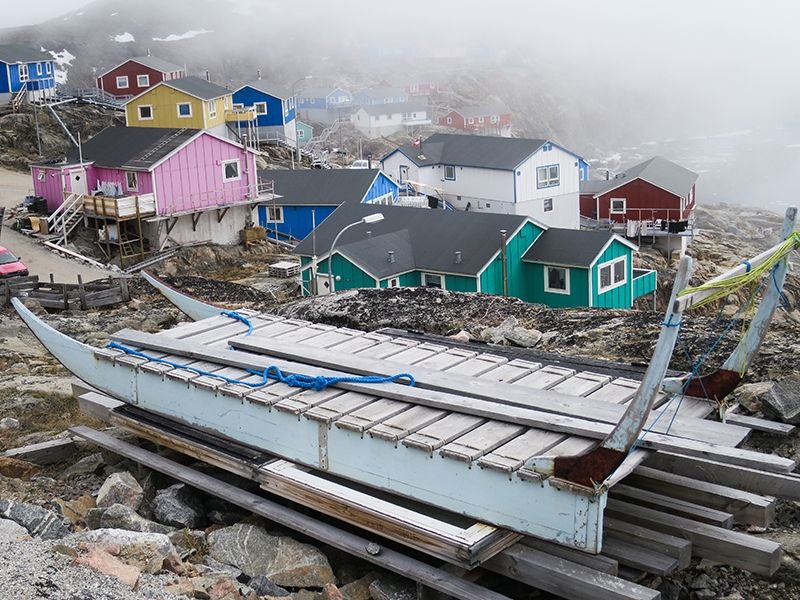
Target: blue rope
x,y
747,264
234,315
775,281
303,381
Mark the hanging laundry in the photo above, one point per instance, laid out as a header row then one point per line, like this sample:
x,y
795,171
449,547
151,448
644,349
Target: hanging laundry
x,y
633,228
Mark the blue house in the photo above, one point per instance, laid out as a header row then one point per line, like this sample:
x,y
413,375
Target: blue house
x,y
273,106
306,197
380,96
322,104
26,74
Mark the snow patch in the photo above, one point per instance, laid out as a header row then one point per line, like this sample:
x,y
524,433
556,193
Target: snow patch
x,y
63,59
125,37
114,14
185,36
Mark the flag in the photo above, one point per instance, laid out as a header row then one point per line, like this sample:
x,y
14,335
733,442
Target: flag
x,y
418,142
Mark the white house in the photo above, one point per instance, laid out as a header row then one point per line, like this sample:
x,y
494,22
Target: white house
x,y
536,178
378,120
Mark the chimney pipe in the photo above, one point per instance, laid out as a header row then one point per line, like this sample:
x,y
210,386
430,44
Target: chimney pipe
x,y
208,76
391,256
458,257
259,73
369,234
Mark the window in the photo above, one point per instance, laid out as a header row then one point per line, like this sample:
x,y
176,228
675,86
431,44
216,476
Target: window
x,y
132,181
184,110
495,119
431,280
556,280
548,204
39,69
145,112
122,82
471,120
301,135
449,120
394,282
230,170
261,108
143,80
212,109
480,119
238,105
415,88
274,214
613,274
225,102
42,175
450,172
617,206
547,176
23,72
47,67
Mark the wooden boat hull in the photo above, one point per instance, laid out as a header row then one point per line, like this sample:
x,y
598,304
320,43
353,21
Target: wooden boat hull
x,y
558,511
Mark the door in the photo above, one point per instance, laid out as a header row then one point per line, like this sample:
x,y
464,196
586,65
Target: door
x,y
403,174
77,182
323,285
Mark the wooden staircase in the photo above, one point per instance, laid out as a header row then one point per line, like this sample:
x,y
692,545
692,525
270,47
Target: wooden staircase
x,y
18,97
66,217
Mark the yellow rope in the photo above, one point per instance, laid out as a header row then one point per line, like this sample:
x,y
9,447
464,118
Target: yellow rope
x,y
726,286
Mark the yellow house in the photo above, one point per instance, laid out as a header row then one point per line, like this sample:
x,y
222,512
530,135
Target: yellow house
x,y
189,102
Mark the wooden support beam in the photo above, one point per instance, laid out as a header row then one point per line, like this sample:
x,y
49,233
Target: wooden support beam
x,y
221,214
564,578
745,507
672,506
350,543
738,549
195,219
596,562
782,485
671,545
44,453
634,556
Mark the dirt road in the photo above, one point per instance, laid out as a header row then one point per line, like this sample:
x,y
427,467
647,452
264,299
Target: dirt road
x,y
39,259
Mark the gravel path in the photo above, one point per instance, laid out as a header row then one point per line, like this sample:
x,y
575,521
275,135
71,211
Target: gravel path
x,y
39,259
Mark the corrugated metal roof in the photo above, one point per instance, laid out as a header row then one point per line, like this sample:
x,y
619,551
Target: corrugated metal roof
x,y
436,236
197,87
570,247
151,62
383,93
14,53
135,148
393,108
482,151
320,187
269,88
659,171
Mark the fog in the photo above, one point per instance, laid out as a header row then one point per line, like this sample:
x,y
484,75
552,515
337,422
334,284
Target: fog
x,y
708,84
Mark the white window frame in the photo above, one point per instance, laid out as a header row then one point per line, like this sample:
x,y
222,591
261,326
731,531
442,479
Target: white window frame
x,y
394,282
122,82
449,120
480,119
547,205
544,176
471,120
47,68
132,177
212,109
258,106
617,211
24,74
225,163
274,214
143,80
301,133
452,170
139,111
415,88
225,102
178,108
387,199
425,280
611,264
38,69
553,290
495,119
239,105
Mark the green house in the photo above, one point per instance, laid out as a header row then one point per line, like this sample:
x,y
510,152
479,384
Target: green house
x,y
463,251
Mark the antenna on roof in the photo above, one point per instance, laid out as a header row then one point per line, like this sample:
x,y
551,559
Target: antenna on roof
x,y
208,76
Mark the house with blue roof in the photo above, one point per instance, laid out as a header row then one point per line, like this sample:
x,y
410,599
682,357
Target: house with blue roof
x,y
26,74
273,107
540,264
322,104
530,177
304,198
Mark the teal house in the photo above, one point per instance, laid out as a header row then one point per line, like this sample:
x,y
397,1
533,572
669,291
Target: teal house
x,y
471,252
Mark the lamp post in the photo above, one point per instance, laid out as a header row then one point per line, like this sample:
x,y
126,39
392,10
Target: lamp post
x,y
294,99
368,219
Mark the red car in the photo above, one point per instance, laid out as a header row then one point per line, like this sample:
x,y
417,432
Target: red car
x,y
10,265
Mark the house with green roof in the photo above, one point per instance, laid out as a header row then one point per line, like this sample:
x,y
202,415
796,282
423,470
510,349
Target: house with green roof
x,y
471,252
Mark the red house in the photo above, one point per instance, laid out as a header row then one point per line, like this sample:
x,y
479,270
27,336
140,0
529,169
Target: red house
x,y
478,118
654,190
136,75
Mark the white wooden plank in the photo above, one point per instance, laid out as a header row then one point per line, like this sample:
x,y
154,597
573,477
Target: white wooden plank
x,y
329,411
481,440
512,455
546,377
368,416
478,365
407,422
582,383
439,433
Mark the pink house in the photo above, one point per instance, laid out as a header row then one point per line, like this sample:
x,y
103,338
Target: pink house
x,y
183,184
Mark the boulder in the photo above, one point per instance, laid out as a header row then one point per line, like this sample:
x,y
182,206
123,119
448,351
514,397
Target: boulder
x,y
119,516
782,401
509,332
749,395
281,559
177,506
36,520
359,589
110,565
120,488
262,586
92,464
11,530
393,588
17,469
75,510
135,541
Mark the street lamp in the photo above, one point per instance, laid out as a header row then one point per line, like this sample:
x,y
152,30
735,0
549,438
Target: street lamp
x,y
368,219
294,99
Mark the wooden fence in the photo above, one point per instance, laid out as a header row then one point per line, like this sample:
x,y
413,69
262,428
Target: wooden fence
x,y
65,296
